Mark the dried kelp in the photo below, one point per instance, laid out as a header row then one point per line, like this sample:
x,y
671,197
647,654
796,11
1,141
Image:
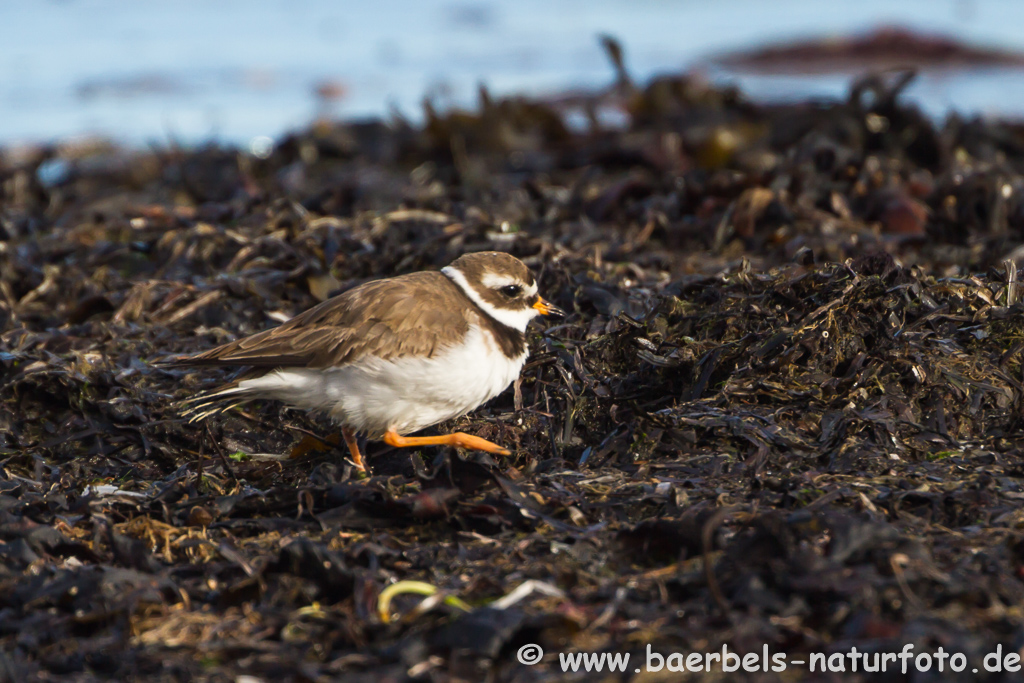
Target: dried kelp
x,y
785,408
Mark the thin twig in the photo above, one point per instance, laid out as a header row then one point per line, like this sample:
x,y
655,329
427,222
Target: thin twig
x,y
220,452
707,535
1011,281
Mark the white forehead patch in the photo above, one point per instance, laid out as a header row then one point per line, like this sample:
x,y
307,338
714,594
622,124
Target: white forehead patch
x,y
517,319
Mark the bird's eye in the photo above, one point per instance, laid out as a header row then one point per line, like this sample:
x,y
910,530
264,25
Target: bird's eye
x,y
511,291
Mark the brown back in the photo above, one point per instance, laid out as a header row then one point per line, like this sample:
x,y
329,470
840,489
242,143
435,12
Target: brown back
x,y
384,318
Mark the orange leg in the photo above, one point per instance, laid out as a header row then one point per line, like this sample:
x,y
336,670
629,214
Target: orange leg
x,y
353,448
458,439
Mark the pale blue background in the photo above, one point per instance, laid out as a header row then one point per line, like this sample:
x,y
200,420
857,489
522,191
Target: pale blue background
x,y
232,70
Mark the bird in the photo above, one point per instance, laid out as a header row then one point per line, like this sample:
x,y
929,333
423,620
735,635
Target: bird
x,y
392,356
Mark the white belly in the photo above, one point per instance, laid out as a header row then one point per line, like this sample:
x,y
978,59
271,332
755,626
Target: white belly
x,y
405,394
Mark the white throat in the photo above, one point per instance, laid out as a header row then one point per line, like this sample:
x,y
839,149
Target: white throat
x,y
515,319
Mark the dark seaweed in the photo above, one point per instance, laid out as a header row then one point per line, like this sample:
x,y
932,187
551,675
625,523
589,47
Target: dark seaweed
x,y
785,408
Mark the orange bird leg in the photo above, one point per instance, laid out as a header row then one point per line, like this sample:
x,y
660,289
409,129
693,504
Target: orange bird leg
x,y
353,448
458,439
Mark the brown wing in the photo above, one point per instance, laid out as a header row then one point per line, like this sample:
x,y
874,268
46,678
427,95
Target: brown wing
x,y
409,315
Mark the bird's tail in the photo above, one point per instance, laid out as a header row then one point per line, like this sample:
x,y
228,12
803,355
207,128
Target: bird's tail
x,y
213,402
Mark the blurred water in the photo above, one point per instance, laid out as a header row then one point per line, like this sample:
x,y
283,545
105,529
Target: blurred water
x,y
232,70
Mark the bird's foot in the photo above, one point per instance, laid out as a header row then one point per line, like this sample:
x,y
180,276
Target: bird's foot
x,y
457,439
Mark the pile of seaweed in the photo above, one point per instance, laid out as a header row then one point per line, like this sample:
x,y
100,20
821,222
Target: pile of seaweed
x,y
785,408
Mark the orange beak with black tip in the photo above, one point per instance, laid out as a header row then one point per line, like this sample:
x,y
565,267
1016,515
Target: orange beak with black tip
x,y
546,308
